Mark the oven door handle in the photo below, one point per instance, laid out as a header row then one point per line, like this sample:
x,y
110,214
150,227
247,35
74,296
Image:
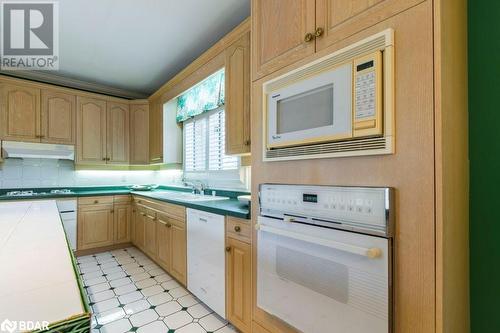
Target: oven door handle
x,y
371,253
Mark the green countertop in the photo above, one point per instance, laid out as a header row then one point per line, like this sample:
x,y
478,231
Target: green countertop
x,y
231,207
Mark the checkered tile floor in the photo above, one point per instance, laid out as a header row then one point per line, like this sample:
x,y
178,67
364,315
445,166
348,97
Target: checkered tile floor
x,y
130,293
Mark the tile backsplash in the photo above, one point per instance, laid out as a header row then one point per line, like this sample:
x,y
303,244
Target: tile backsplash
x,y
34,172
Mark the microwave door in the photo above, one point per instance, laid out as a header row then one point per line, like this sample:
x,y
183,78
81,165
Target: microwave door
x,y
318,109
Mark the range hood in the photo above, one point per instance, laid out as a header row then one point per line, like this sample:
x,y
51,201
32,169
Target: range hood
x,y
12,149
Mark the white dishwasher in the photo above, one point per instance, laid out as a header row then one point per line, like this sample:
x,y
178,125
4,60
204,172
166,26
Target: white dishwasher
x,y
206,259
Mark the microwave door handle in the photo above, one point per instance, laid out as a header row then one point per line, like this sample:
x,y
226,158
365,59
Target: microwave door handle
x,y
371,253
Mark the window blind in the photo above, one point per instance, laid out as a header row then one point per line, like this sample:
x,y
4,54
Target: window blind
x,y
217,142
205,142
195,145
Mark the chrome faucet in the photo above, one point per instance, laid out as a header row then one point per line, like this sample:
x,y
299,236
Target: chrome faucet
x,y
197,185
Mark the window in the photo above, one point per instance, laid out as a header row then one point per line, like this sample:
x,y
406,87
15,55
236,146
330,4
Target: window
x,y
204,143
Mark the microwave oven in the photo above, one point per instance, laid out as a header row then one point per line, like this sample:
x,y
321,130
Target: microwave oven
x,y
341,98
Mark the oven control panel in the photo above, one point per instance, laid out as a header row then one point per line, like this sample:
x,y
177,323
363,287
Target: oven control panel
x,y
364,208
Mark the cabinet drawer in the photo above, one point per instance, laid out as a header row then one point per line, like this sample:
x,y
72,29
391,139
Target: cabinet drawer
x,y
171,210
95,200
239,229
122,198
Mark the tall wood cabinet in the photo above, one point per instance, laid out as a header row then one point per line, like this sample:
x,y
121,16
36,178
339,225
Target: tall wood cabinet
x,y
237,108
139,134
429,168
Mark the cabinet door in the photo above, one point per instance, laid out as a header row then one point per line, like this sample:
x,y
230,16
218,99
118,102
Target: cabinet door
x,y
239,284
343,18
20,113
163,232
150,234
139,134
91,131
58,117
122,223
140,217
179,250
95,226
156,132
279,29
118,133
133,220
238,96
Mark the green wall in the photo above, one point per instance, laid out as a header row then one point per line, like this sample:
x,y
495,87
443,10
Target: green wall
x,y
484,150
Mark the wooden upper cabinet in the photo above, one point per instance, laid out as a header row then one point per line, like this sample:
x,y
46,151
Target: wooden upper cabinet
x,y
118,127
20,113
156,131
91,131
238,96
340,19
278,30
139,134
58,118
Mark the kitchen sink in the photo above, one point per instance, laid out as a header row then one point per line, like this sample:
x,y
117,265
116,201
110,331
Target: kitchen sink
x,y
184,196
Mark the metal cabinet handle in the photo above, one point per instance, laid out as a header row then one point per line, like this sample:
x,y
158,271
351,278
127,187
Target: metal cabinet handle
x,y
247,142
237,228
96,201
319,32
169,225
308,37
228,248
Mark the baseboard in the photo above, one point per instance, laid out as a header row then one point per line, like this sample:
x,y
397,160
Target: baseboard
x,y
87,252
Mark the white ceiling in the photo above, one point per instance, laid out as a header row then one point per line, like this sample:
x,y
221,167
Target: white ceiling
x,y
138,45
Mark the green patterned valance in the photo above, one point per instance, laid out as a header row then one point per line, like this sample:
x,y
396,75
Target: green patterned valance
x,y
206,96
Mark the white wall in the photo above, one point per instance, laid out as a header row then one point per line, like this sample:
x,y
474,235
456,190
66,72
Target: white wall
x,y
34,172
28,173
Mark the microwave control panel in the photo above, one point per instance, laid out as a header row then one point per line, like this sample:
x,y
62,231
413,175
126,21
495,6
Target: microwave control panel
x,y
368,95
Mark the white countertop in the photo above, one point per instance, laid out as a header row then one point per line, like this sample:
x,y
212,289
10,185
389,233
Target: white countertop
x,y
37,281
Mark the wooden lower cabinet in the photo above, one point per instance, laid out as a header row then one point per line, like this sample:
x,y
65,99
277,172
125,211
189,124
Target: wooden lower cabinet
x,y
95,226
164,237
239,284
150,244
178,259
140,216
160,232
122,218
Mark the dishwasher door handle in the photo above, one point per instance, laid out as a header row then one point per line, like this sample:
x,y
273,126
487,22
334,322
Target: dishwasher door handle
x,y
371,253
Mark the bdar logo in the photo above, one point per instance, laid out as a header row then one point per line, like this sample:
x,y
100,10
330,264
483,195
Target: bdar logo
x,y
8,326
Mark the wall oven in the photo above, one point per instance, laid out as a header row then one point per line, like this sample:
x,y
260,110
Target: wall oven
x,y
324,257
345,96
